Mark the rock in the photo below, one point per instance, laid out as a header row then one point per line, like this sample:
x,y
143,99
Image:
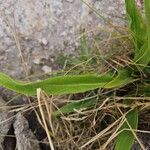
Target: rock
x,y
28,28
37,61
44,41
6,120
47,69
25,138
70,1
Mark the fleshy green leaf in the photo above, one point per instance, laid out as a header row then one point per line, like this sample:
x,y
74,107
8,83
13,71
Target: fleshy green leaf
x,y
67,84
126,138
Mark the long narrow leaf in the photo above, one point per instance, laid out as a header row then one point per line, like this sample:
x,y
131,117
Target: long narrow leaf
x,y
70,107
140,28
67,84
123,78
147,14
143,56
126,138
140,31
136,23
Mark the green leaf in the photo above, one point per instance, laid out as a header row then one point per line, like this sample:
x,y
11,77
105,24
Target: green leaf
x,y
142,57
144,90
136,23
123,78
147,14
125,139
70,107
67,84
140,28
144,54
85,53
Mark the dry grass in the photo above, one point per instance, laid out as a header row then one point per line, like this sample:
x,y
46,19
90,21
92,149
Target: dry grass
x,y
88,129
81,130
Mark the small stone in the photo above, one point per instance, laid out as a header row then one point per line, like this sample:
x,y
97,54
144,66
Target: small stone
x,y
70,1
44,41
47,69
37,61
2,58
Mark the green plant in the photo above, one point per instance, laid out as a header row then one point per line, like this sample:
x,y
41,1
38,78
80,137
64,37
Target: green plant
x,y
130,75
83,57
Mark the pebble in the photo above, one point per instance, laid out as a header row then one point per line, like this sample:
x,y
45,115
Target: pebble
x,y
37,61
70,1
44,41
47,69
